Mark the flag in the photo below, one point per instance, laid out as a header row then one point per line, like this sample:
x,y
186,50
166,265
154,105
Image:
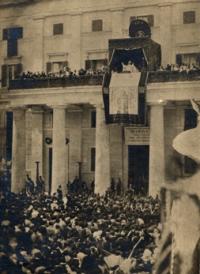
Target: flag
x,y
163,264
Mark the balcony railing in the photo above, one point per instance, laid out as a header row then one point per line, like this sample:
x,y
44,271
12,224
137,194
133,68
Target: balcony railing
x,y
96,80
173,76
31,83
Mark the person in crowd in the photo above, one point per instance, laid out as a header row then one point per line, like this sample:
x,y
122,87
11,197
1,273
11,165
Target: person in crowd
x,y
119,186
59,192
92,187
29,185
42,184
83,234
112,185
75,184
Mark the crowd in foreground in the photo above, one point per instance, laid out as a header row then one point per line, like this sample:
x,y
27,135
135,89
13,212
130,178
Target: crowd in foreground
x,y
79,233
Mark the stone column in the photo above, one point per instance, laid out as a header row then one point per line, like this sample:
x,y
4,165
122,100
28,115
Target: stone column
x,y
157,160
75,143
28,123
18,151
102,163
59,149
37,142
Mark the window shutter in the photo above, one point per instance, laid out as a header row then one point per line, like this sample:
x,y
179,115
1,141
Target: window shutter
x,y
18,70
12,49
48,67
5,34
4,75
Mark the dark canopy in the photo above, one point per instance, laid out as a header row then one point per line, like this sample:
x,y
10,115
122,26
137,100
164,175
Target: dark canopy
x,y
136,56
136,49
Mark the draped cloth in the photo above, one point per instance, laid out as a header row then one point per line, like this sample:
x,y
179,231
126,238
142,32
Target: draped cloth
x,y
123,95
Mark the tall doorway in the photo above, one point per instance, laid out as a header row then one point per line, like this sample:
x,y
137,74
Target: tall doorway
x,y
138,168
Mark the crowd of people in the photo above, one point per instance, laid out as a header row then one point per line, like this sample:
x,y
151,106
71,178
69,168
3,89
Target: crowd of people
x,y
81,232
66,73
180,68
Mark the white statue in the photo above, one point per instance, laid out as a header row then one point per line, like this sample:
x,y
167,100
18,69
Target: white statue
x,y
130,67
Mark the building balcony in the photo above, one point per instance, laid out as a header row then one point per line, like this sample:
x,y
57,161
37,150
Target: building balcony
x,y
35,83
96,80
173,76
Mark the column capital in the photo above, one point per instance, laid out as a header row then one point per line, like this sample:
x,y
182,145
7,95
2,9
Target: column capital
x,y
58,106
18,111
36,109
15,108
158,103
98,105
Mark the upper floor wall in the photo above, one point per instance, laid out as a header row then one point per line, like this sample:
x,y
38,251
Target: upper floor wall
x,y
84,28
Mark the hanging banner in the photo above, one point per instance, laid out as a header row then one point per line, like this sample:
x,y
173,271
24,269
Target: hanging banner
x,y
123,95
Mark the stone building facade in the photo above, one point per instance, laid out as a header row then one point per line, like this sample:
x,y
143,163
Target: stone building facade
x,y
49,35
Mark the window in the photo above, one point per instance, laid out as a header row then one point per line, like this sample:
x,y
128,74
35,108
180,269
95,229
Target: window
x,y
188,58
92,157
189,17
93,119
56,67
147,18
57,29
12,48
97,25
10,72
95,64
12,35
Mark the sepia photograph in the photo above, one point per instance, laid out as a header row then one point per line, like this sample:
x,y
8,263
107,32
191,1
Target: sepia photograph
x,y
99,137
